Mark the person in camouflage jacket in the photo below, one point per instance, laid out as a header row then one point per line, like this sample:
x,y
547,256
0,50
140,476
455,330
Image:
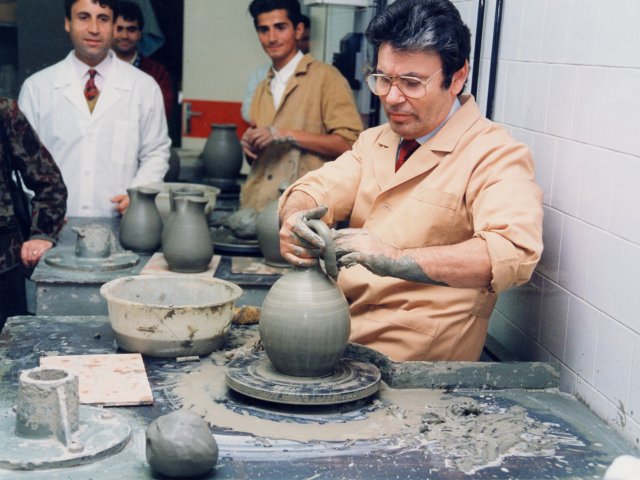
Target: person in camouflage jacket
x,y
21,150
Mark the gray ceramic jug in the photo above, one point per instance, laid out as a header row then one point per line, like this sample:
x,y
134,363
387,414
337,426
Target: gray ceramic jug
x,y
187,244
305,321
222,154
141,225
173,194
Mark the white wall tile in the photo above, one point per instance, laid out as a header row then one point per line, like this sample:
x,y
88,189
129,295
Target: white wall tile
x,y
510,30
592,398
633,55
574,252
513,93
483,83
596,185
543,148
614,353
621,129
603,274
551,239
522,135
536,96
634,385
581,33
582,334
629,309
613,32
553,319
530,40
588,111
567,380
502,82
554,35
630,431
487,35
562,93
566,177
625,214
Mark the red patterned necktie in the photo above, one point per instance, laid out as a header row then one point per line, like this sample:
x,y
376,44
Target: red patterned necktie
x,y
407,147
90,89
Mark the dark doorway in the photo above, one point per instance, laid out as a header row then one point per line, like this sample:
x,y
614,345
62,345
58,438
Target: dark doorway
x,y
170,15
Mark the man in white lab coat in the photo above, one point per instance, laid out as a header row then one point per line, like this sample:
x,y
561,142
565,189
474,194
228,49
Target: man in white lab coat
x,y
102,119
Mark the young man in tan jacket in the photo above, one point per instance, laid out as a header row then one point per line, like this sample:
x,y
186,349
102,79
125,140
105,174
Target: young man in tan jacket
x,y
303,114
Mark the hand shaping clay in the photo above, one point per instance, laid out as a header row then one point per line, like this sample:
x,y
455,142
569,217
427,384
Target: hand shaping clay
x,y
180,445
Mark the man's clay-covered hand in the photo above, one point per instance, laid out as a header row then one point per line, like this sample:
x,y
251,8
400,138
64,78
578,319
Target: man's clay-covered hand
x,y
300,245
359,246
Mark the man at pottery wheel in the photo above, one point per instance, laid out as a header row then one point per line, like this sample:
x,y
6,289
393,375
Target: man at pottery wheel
x,y
433,235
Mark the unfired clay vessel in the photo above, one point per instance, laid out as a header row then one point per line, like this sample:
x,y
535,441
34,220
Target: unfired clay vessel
x,y
222,153
305,322
141,225
180,445
187,245
173,194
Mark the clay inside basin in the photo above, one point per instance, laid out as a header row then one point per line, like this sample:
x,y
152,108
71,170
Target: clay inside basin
x,y
167,316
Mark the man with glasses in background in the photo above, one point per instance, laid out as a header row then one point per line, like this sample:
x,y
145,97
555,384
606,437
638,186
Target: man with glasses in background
x,y
443,209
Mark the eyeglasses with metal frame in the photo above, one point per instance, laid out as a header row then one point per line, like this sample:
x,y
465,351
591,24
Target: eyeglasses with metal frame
x,y
410,87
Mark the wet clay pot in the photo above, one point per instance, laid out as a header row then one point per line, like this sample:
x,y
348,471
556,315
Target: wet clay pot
x,y
304,321
268,234
186,244
141,225
222,154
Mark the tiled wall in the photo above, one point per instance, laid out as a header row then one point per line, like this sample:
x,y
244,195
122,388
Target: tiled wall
x,y
568,85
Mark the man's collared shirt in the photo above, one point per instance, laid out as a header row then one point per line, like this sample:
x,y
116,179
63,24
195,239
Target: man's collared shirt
x,y
82,69
281,77
454,108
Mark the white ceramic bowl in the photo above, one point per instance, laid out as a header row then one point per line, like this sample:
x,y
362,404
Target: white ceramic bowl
x,y
170,316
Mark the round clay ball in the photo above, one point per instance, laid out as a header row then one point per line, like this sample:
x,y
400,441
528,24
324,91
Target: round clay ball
x,y
180,445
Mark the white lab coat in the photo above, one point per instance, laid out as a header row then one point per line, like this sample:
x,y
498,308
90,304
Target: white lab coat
x,y
123,143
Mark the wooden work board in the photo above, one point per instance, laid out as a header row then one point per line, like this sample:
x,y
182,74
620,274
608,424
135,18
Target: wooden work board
x,y
109,379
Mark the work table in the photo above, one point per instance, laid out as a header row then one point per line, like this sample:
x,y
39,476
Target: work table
x,y
470,410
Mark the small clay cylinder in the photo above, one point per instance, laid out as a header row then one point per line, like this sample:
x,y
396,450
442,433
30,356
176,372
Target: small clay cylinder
x,y
48,404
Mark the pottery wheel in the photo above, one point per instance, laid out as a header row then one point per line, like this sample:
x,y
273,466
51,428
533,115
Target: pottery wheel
x,y
101,434
67,259
253,375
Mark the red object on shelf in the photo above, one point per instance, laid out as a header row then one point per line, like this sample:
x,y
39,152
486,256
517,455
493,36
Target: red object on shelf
x,y
206,112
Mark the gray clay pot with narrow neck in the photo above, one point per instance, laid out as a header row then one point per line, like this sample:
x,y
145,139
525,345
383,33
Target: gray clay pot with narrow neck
x,y
222,153
305,321
186,244
141,225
